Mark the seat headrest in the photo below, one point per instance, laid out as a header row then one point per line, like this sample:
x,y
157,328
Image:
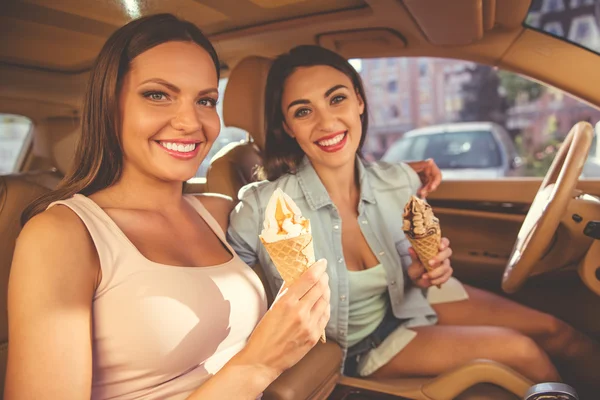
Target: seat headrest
x,y
244,99
63,134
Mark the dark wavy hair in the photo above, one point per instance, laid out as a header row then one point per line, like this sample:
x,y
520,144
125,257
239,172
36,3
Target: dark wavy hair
x,y
282,153
98,161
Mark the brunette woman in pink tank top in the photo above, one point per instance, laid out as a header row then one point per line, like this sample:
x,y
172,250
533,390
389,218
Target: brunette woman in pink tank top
x,y
121,286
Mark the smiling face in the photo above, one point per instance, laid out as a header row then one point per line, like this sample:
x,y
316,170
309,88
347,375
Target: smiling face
x,y
322,111
167,108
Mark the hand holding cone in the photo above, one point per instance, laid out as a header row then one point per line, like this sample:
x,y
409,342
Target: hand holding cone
x,y
287,238
422,229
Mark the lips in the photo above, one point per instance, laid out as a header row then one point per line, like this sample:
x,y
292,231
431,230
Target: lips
x,y
334,142
180,149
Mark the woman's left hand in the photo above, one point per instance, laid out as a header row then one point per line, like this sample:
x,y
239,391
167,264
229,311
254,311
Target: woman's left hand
x,y
441,263
430,175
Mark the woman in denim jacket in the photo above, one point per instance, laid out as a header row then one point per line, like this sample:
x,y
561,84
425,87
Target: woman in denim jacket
x,y
386,311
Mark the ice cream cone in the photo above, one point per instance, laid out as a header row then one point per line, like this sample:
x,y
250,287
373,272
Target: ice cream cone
x,y
422,230
426,248
292,257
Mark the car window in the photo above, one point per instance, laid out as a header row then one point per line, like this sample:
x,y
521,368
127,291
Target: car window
x,y
226,136
15,135
525,121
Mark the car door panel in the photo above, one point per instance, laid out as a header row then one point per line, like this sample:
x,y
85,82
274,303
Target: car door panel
x,y
482,219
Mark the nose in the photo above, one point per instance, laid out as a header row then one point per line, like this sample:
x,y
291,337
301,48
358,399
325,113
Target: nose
x,y
327,121
186,119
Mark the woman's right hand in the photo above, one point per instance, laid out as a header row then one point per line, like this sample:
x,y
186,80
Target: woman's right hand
x,y
293,324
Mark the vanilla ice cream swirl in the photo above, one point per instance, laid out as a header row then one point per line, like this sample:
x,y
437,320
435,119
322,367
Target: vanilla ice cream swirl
x,y
283,219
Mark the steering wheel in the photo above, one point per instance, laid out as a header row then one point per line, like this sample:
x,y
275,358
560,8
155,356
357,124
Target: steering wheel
x,y
548,207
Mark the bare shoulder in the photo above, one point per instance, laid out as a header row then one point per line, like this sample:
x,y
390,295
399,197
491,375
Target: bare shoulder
x,y
55,225
56,240
219,206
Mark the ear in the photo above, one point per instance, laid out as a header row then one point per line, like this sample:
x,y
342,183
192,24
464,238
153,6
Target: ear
x,y
287,130
361,103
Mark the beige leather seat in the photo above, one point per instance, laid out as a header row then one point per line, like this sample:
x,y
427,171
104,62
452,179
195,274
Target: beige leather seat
x,y
317,374
234,166
16,192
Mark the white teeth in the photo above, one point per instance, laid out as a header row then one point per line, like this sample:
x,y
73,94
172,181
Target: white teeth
x,y
332,141
180,148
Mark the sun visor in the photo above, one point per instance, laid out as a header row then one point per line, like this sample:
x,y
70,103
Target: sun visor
x,y
448,23
462,22
363,43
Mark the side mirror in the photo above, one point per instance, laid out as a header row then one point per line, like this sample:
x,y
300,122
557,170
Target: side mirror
x,y
551,391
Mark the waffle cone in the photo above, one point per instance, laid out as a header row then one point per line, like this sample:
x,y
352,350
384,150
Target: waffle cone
x,y
292,257
426,247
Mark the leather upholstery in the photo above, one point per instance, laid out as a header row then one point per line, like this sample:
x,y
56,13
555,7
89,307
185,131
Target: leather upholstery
x,y
234,166
465,382
244,99
313,378
61,136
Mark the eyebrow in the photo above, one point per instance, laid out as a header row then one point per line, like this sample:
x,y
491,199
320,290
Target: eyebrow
x,y
327,94
175,88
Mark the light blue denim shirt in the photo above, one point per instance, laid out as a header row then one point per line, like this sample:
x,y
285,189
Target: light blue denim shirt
x,y
384,190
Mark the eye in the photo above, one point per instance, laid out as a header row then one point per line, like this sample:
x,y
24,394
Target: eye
x,y
301,112
208,102
338,99
155,96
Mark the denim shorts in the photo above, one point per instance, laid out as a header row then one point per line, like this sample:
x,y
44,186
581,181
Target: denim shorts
x,y
388,325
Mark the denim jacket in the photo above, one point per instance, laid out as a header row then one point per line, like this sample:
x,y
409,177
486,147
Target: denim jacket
x,y
384,190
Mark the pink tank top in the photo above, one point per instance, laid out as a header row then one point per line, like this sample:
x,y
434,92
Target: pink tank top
x,y
160,331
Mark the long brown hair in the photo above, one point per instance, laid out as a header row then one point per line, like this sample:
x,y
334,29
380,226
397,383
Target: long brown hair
x,y
282,153
98,161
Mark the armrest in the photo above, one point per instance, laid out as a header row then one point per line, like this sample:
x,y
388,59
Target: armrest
x,y
314,377
448,385
452,383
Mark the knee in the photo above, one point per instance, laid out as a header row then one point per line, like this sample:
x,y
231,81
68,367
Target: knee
x,y
559,337
532,359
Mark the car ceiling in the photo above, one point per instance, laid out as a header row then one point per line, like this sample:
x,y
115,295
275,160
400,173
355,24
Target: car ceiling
x,y
48,46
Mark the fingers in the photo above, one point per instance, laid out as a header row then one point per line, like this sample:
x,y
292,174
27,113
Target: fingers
x,y
416,269
440,270
320,313
445,273
445,242
307,280
440,257
430,176
318,291
435,175
413,255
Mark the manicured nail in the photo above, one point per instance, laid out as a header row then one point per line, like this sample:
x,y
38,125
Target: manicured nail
x,y
432,262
